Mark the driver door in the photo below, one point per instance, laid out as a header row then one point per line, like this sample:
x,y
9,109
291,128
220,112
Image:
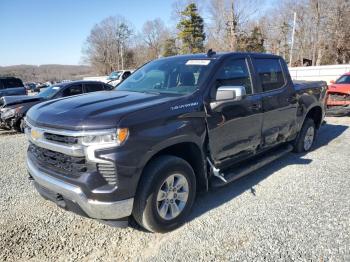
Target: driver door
x,y
235,129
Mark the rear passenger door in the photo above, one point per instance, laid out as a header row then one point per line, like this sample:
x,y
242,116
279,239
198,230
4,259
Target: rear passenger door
x,y
278,101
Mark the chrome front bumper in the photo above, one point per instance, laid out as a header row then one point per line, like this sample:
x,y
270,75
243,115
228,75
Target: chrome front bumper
x,y
93,208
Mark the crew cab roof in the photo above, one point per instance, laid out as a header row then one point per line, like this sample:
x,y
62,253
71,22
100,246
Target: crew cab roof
x,y
224,54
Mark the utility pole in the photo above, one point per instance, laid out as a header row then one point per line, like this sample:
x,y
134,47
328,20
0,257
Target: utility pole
x,y
122,55
292,45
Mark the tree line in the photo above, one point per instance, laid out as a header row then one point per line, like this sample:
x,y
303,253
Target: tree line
x,y
321,33
43,73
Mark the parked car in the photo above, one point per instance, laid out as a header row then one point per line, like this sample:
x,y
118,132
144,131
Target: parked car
x,y
176,126
10,86
30,86
117,77
338,96
14,108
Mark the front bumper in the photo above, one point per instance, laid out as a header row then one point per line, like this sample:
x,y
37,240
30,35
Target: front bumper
x,y
91,207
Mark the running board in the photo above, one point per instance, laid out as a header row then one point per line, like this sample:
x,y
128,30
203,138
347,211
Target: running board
x,y
249,166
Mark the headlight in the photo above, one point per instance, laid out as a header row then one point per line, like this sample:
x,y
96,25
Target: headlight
x,y
116,137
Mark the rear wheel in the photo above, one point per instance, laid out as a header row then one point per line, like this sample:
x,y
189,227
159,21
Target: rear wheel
x,y
306,137
165,194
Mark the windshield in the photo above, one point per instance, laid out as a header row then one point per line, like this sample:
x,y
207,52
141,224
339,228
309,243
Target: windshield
x,y
115,75
176,75
49,92
345,79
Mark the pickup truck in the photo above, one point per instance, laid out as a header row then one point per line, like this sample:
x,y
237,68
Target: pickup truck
x,y
176,126
116,77
13,109
11,86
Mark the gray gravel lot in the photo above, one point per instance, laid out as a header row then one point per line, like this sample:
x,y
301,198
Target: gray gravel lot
x,y
297,208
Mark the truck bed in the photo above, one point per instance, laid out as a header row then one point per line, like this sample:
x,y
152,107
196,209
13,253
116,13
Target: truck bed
x,y
300,85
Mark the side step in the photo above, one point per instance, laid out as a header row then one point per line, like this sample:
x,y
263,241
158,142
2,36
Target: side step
x,y
249,166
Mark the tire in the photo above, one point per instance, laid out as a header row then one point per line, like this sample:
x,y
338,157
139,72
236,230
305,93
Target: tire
x,y
150,206
306,137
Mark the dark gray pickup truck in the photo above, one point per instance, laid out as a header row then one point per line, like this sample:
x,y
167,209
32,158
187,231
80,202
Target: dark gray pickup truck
x,y
176,126
11,86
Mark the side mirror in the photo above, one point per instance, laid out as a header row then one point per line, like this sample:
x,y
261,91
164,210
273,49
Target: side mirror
x,y
227,94
332,82
230,93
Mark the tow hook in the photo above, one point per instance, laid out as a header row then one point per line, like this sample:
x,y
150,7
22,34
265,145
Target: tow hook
x,y
216,171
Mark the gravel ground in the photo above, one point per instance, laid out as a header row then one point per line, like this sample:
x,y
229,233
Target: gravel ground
x,y
297,208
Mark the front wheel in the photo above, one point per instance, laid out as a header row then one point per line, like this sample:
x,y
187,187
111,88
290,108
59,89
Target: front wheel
x,y
165,194
306,137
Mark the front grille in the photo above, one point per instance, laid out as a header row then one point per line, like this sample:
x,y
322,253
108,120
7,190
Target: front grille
x,y
58,162
61,138
107,170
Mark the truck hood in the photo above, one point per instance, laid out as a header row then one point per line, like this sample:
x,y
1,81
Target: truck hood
x,y
100,110
13,100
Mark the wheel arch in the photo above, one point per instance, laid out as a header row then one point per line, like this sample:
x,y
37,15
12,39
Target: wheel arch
x,y
192,153
316,114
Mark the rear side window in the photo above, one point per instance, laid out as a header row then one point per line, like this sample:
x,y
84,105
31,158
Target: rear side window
x,y
270,73
93,87
73,90
235,73
11,83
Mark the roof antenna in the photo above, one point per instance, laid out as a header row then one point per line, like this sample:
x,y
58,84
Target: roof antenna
x,y
210,52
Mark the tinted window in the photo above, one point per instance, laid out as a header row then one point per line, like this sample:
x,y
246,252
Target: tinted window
x,y
235,73
73,90
108,87
93,87
11,83
270,73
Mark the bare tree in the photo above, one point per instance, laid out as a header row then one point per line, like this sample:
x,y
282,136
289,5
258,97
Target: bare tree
x,y
154,34
228,19
107,44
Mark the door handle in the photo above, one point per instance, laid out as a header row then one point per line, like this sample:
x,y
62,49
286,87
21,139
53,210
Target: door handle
x,y
255,106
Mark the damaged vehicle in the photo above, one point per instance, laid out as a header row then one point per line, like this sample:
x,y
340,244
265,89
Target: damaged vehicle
x,y
338,96
13,109
176,126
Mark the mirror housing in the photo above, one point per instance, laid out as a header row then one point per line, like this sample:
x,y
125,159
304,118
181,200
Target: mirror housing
x,y
227,94
230,93
332,82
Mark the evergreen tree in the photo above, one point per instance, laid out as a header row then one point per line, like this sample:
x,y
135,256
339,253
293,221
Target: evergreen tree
x,y
170,48
191,28
253,42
